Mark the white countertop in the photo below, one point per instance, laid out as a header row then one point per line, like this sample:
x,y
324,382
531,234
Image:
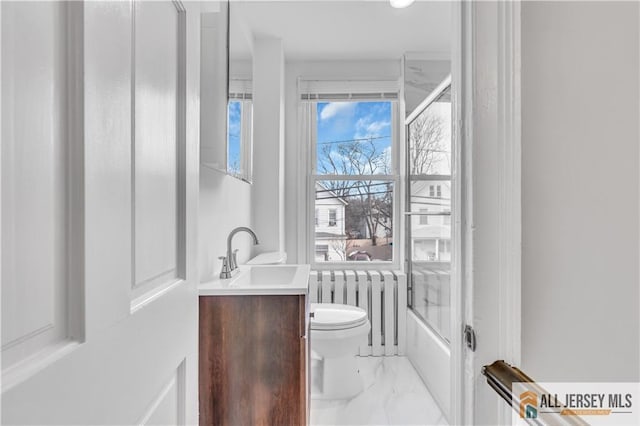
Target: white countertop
x,y
260,280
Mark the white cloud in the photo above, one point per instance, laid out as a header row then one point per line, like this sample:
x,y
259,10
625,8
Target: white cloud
x,y
366,128
334,108
377,126
234,128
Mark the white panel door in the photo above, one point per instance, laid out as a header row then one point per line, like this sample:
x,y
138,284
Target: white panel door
x,y
100,119
33,179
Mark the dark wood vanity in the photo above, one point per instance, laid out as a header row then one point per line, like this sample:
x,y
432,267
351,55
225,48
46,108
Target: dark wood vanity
x,y
253,360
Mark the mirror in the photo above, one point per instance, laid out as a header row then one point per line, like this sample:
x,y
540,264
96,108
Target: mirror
x,y
423,72
214,36
240,105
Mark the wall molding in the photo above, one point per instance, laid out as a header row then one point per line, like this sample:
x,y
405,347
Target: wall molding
x,y
468,20
510,188
461,389
509,126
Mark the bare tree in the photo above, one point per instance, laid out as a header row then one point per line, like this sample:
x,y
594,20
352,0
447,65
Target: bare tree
x,y
426,141
369,200
342,248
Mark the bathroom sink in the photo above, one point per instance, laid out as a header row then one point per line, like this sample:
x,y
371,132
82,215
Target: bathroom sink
x,y
269,258
260,279
267,275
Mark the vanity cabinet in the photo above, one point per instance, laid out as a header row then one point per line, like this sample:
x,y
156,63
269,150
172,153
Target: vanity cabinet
x,y
253,360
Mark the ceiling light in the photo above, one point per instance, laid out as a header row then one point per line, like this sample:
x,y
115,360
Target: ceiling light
x,y
399,4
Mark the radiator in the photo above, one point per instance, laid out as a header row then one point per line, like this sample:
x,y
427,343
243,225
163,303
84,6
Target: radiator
x,y
383,294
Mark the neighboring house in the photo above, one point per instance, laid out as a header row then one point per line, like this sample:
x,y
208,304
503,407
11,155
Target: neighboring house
x,y
431,231
329,226
360,230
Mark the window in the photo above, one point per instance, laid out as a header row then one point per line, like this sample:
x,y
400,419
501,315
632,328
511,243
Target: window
x,y
439,191
239,124
424,218
432,192
333,217
239,130
352,146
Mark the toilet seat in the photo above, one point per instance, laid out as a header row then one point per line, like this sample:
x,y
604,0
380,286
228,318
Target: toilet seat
x,y
330,316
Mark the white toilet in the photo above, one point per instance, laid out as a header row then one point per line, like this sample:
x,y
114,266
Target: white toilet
x,y
337,331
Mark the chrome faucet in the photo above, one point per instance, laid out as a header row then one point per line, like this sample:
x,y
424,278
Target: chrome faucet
x,y
230,263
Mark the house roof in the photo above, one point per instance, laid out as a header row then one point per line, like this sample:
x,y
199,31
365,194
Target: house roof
x,y
332,194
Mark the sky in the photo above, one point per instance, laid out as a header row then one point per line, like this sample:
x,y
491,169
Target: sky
x,y
345,121
233,135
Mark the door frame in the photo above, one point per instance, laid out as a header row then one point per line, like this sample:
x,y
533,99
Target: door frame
x,y
468,97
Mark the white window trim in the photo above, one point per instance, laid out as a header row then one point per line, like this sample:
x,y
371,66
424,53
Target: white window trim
x,y
306,203
335,217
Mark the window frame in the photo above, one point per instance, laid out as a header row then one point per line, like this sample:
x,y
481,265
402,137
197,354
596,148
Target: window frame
x,y
241,91
313,177
333,212
423,215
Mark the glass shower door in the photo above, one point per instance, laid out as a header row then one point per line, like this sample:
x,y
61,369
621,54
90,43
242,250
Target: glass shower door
x,y
428,213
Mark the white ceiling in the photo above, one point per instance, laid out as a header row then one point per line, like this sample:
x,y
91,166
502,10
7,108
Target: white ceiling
x,y
340,30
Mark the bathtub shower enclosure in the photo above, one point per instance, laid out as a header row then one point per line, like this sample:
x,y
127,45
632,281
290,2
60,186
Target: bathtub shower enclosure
x,y
410,310
428,251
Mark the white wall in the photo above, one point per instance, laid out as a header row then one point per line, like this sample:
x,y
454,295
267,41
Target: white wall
x,y
267,191
580,191
295,154
225,203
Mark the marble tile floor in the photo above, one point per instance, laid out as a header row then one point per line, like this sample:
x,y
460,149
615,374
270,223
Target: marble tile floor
x,y
394,394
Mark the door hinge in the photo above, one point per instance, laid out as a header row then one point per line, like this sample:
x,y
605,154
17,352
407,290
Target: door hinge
x,y
470,337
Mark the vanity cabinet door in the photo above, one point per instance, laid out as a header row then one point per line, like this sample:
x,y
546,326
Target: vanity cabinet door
x,y
253,360
305,357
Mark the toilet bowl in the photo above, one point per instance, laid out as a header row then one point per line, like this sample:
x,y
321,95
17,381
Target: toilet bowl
x,y
337,331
